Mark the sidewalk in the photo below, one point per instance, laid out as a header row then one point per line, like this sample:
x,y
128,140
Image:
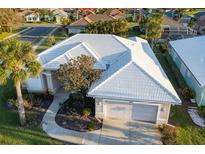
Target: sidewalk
x,y
10,36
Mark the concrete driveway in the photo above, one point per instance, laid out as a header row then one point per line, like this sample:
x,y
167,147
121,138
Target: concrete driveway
x,y
116,132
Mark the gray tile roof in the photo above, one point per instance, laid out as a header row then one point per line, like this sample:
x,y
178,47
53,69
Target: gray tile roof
x,y
134,72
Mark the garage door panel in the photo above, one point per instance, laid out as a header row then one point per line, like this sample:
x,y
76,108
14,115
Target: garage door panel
x,y
118,111
144,112
125,111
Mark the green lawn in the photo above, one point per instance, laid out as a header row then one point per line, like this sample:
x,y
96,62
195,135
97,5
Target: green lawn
x,y
195,11
186,131
11,132
6,34
59,35
132,29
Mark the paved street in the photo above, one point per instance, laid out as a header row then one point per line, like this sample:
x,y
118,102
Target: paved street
x,y
34,33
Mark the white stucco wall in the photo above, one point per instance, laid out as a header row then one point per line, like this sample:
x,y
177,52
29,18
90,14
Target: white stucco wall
x,y
55,81
75,30
36,84
164,110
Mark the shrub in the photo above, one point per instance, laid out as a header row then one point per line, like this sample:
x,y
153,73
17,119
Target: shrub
x,y
27,104
77,97
91,126
12,103
141,36
86,112
75,101
188,93
168,134
201,111
163,48
51,40
32,120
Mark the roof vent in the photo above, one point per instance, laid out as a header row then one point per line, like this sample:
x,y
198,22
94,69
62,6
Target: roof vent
x,y
107,66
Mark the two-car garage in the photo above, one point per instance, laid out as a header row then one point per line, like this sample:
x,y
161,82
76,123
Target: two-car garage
x,y
128,111
131,111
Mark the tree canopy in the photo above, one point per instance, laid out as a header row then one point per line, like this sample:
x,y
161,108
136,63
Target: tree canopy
x,y
43,12
18,61
117,27
152,26
78,74
8,19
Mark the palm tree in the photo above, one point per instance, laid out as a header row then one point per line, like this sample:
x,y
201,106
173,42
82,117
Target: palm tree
x,y
18,62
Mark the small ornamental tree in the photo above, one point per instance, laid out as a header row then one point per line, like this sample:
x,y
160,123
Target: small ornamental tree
x,y
78,74
65,22
51,40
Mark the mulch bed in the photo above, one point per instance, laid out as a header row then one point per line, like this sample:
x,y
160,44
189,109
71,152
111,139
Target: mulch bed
x,y
71,119
36,113
35,108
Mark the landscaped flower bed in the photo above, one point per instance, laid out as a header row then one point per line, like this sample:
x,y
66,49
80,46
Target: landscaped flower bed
x,y
35,105
76,121
77,114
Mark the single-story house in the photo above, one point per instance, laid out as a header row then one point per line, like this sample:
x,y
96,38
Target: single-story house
x,y
200,25
115,13
186,19
59,15
82,12
133,85
199,15
80,25
189,56
32,17
171,26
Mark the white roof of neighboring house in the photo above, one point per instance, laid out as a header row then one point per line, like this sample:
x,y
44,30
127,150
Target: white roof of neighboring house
x,y
192,52
133,72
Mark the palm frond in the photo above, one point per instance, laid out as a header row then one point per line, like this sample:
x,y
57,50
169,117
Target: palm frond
x,y
3,76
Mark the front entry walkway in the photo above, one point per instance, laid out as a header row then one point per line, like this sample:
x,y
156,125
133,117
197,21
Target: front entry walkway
x,y
113,132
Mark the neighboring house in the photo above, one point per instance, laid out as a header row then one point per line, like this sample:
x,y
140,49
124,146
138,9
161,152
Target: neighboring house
x,y
189,56
200,25
171,26
47,18
80,25
169,13
32,17
145,13
133,85
185,20
82,12
115,13
199,15
59,15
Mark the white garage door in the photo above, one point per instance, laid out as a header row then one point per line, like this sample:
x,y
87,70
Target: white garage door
x,y
126,111
144,112
118,111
